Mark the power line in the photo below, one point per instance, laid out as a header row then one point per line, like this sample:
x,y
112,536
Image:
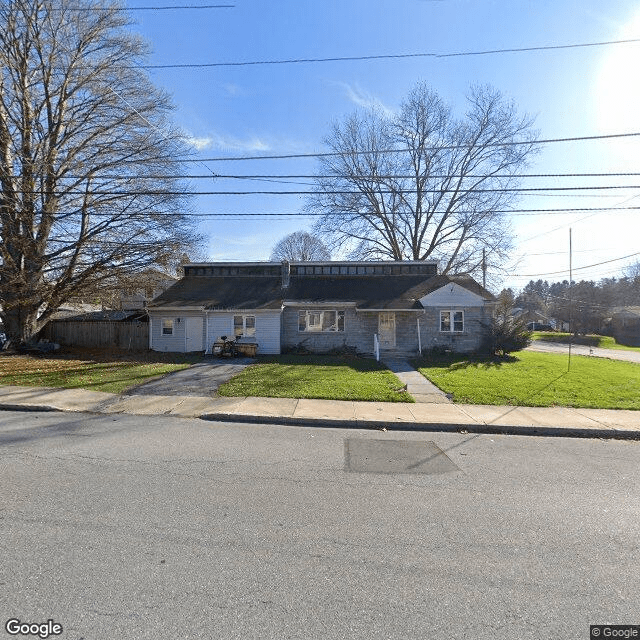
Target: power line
x,y
162,192
396,56
338,176
560,253
588,266
168,8
262,214
330,154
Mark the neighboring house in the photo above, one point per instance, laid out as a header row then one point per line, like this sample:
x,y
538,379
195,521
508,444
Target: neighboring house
x,y
151,284
536,321
404,306
625,325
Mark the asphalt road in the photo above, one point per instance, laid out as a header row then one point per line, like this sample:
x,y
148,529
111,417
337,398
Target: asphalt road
x,y
581,350
138,527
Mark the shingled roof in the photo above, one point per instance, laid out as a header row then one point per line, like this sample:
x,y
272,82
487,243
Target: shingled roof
x,y
211,292
393,292
367,292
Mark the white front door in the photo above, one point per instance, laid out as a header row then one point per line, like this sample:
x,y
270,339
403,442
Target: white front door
x,y
387,329
194,329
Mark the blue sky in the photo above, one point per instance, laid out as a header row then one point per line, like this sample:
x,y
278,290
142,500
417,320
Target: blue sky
x,y
288,108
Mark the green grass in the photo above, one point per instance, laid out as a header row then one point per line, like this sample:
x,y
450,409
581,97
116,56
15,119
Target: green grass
x,y
110,376
538,380
322,377
590,340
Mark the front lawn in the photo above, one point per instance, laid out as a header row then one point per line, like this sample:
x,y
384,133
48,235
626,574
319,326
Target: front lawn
x,y
589,340
98,370
322,377
538,380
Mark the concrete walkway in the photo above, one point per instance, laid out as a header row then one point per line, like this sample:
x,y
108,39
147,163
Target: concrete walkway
x,y
552,421
422,390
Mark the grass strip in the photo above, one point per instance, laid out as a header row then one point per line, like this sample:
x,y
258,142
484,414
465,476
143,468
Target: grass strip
x,y
537,380
320,377
112,376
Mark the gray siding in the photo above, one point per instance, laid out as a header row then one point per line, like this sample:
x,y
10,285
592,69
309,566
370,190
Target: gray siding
x,y
476,323
359,329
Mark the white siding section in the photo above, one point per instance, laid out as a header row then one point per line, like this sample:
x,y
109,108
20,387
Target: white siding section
x,y
267,328
452,295
176,342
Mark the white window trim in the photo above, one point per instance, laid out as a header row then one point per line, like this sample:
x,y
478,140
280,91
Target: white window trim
x,y
321,311
244,324
173,326
451,313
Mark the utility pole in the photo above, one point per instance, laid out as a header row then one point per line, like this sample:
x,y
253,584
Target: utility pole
x,y
570,301
484,269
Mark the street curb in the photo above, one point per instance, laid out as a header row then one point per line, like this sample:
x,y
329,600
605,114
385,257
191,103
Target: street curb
x,y
382,425
517,430
27,407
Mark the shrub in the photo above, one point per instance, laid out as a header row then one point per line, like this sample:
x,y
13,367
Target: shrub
x,y
506,333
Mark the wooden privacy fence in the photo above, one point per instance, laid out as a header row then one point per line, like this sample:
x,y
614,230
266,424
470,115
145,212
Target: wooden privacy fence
x,y
124,335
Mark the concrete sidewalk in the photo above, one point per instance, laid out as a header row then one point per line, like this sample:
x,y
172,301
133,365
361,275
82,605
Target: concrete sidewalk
x,y
556,421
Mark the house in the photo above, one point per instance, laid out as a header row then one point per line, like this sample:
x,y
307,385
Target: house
x,y
535,320
625,325
400,307
149,284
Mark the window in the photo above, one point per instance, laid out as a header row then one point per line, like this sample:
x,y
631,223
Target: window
x,y
452,321
244,326
167,326
320,321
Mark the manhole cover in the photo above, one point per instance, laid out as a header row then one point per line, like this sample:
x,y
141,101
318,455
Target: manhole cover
x,y
395,456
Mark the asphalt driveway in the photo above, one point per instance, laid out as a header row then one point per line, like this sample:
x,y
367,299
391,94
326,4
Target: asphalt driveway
x,y
202,379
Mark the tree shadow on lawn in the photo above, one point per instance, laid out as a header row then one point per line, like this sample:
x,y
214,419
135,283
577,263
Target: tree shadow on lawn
x,y
315,376
356,363
456,363
64,378
527,400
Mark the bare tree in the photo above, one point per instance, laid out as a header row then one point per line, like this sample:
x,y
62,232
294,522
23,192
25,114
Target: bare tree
x,y
300,246
632,271
422,184
87,156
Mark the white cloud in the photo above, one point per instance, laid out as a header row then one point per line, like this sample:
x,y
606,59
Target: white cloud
x,y
363,98
233,90
227,143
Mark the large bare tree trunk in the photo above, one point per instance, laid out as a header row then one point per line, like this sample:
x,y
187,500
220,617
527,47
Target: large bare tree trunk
x,y
88,159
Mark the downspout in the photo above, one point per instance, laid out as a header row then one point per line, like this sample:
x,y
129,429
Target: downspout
x,y
419,339
207,349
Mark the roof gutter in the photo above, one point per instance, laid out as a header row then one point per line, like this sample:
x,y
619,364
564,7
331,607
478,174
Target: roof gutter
x,y
376,310
327,304
160,308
